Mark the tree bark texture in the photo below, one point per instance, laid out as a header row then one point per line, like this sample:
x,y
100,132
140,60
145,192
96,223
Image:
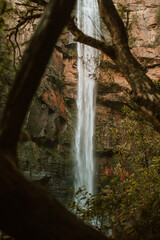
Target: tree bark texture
x,y
144,92
26,210
32,67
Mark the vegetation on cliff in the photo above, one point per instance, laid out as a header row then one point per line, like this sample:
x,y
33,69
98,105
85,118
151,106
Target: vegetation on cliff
x,y
143,91
127,203
29,212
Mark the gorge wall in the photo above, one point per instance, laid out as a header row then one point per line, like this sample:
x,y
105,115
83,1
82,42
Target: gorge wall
x,y
45,149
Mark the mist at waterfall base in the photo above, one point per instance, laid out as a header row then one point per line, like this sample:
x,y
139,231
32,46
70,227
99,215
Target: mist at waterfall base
x,y
89,22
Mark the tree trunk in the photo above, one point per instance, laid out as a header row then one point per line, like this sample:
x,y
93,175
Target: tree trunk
x,y
32,67
27,210
144,92
30,212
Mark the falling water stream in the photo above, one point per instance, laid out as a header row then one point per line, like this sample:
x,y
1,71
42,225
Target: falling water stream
x,y
88,21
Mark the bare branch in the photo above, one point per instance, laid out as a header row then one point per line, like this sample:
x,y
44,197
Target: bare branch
x,y
90,41
32,67
14,31
30,212
27,210
144,92
39,2
113,22
22,22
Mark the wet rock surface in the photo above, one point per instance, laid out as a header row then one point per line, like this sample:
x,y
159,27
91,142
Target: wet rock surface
x,y
48,150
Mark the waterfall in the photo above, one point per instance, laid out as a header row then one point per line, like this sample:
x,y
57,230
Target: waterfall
x,y
88,21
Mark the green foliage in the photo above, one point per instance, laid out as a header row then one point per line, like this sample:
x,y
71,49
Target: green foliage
x,y
55,76
128,209
87,207
128,203
135,140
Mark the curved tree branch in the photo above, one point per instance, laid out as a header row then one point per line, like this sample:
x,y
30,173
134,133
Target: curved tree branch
x,y
90,41
144,92
23,21
24,17
31,70
113,22
30,212
27,210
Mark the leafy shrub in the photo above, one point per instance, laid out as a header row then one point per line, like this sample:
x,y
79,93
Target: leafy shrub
x,y
128,207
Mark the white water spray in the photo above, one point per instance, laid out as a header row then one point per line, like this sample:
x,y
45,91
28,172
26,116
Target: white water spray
x,y
88,21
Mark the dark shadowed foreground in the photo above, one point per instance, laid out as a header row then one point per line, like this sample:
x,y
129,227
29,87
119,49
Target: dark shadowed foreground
x,y
26,210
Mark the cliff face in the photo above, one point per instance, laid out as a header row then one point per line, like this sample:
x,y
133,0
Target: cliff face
x,y
140,18
46,150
